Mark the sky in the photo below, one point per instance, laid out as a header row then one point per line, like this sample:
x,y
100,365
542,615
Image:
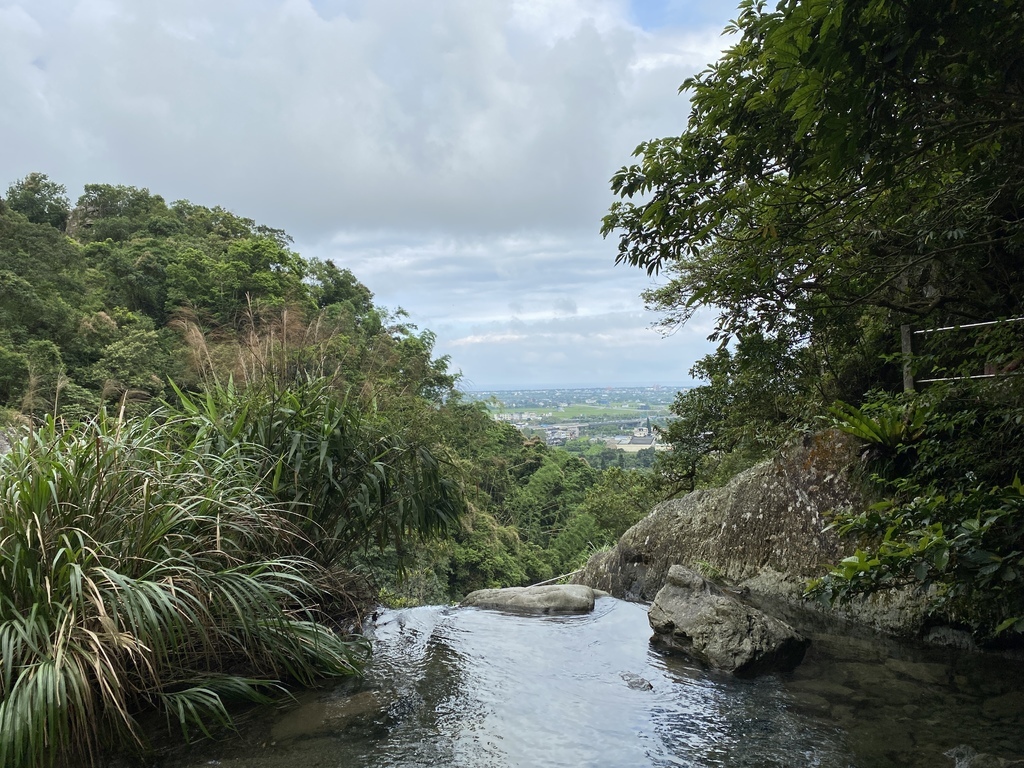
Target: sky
x,y
454,154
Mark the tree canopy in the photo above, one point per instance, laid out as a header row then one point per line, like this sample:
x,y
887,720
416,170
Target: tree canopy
x,y
865,153
850,167
40,200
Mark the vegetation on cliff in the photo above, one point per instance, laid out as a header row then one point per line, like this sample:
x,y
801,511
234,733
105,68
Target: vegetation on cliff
x,y
852,173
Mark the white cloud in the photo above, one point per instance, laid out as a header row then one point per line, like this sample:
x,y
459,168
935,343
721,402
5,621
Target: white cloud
x,y
454,154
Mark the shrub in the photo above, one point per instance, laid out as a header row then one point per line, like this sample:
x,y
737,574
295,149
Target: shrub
x,y
952,517
136,576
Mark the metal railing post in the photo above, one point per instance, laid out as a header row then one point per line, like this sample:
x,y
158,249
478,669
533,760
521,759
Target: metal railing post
x,y
907,347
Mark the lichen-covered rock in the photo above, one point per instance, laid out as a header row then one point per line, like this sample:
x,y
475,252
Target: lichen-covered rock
x,y
766,530
693,617
551,598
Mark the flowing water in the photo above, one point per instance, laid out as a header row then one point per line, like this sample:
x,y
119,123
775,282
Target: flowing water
x,y
467,687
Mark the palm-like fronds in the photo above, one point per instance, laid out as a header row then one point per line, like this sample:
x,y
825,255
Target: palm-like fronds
x,y
888,426
131,575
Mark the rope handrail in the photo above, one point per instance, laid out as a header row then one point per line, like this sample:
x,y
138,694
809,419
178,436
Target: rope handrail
x,y
557,578
968,325
907,349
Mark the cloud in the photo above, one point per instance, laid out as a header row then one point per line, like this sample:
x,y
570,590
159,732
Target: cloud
x,y
614,348
387,113
455,154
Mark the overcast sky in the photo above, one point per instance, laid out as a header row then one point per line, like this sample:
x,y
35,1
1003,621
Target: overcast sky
x,y
454,154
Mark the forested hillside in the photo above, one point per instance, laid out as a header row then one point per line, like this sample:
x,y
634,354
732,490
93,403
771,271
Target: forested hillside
x,y
846,198
221,454
125,302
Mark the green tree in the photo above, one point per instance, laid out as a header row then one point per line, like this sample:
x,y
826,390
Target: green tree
x,y
224,285
134,273
135,360
13,375
339,286
222,225
849,167
40,200
841,156
115,212
546,499
40,281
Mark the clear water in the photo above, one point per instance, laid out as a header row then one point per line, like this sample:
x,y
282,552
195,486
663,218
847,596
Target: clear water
x,y
467,687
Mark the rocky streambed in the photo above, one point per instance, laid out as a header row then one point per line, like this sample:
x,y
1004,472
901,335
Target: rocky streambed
x,y
462,686
579,683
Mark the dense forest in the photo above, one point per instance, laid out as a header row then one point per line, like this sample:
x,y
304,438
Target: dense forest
x,y
846,198
221,454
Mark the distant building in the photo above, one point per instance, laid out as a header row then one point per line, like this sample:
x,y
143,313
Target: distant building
x,y
561,434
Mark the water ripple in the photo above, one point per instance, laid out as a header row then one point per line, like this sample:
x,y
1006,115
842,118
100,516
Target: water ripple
x,y
467,687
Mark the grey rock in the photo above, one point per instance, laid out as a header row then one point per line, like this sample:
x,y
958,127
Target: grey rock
x,y
552,598
766,530
692,616
635,682
952,638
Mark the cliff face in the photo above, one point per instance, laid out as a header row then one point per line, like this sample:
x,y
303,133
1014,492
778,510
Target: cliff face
x,y
764,530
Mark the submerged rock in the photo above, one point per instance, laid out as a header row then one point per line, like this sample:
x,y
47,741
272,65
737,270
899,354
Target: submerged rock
x,y
692,616
967,757
551,598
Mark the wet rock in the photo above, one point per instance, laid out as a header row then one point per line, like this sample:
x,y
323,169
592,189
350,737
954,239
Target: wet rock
x,y
930,674
551,598
967,757
825,688
324,715
1009,706
636,682
810,704
693,617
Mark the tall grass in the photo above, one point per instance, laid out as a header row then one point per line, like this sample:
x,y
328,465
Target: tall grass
x,y
334,406
352,478
135,575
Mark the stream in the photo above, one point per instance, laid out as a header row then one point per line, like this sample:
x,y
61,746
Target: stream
x,y
466,687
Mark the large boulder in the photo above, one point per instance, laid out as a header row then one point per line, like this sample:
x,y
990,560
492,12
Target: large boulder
x,y
693,617
551,598
766,530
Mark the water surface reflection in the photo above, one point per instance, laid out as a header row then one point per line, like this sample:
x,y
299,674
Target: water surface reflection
x,y
467,687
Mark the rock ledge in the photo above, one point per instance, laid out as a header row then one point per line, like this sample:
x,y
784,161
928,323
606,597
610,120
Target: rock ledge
x,y
693,617
552,598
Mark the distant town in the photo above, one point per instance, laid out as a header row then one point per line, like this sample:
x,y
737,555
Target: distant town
x,y
620,417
